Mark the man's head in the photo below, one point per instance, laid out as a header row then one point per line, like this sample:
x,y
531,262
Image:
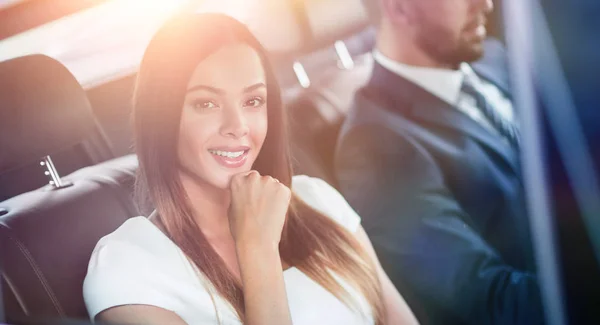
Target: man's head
x,y
447,32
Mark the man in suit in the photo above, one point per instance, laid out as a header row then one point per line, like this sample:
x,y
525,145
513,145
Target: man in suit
x,y
429,157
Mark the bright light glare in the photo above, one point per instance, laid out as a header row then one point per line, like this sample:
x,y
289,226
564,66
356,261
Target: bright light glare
x,y
116,31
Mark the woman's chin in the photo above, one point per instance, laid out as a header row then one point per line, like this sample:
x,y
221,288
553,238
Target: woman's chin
x,y
223,180
221,177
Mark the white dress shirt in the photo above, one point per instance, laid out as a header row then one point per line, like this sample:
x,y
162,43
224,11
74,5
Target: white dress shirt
x,y
446,84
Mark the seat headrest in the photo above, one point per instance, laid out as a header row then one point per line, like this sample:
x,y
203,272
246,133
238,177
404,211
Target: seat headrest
x,y
43,110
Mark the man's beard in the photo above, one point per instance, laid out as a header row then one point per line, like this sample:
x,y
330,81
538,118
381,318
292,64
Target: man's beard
x,y
444,48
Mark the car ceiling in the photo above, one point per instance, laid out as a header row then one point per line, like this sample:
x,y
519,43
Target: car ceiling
x,y
101,40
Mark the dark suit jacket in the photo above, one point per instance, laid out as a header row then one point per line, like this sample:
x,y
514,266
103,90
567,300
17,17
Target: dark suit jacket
x,y
442,200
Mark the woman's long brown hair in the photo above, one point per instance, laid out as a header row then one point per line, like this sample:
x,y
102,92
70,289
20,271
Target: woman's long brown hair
x,y
311,241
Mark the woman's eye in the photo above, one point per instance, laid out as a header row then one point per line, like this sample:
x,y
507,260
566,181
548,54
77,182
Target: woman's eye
x,y
204,105
255,102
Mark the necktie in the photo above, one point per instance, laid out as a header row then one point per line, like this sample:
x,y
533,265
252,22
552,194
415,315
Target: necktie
x,y
506,128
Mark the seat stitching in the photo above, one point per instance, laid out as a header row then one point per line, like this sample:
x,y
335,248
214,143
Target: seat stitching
x,y
39,274
16,293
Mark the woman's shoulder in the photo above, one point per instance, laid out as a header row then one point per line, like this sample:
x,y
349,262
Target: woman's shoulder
x,y
324,198
135,264
304,185
136,242
313,190
136,231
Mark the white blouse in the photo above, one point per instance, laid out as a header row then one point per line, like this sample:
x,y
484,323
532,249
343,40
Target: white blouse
x,y
139,264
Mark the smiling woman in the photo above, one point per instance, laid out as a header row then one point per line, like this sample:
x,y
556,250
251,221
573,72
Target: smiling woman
x,y
234,238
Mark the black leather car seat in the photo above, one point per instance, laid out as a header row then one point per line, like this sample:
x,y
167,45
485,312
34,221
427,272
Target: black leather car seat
x,y
47,234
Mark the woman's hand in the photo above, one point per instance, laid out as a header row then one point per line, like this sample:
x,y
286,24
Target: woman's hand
x,y
257,212
258,209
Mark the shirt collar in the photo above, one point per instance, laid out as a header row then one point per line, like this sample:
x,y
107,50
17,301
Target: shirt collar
x,y
445,84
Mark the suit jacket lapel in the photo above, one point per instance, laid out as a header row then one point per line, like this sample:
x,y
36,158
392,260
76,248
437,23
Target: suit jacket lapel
x,y
396,93
448,116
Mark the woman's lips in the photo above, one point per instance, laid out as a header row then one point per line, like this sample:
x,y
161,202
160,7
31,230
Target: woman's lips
x,y
230,157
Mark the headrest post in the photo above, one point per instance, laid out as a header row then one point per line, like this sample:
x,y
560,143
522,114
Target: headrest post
x,y
301,75
56,182
344,55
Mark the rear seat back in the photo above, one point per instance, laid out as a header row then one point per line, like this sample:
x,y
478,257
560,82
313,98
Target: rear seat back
x,y
44,109
47,237
316,113
316,116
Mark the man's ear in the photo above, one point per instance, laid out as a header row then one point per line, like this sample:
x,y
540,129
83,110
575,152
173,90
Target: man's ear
x,y
397,11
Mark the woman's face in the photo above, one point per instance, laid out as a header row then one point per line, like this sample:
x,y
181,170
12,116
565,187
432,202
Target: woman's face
x,y
224,117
